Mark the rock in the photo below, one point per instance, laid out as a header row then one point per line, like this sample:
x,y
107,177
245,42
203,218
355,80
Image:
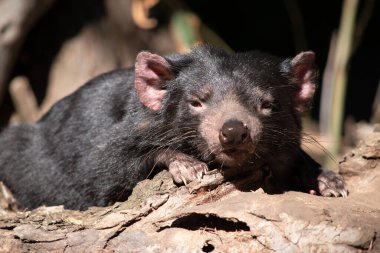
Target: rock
x,y
161,217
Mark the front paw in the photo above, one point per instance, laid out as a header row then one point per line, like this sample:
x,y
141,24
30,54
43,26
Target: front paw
x,y
187,170
331,184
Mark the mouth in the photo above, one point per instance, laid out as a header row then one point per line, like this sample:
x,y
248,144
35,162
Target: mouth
x,y
234,157
233,151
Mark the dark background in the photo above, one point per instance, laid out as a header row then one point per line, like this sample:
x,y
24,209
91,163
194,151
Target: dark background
x,y
265,25
243,25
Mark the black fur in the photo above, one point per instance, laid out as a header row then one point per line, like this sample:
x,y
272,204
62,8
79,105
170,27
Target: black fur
x,y
93,146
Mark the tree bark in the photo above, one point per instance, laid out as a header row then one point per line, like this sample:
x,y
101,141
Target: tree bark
x,y
216,217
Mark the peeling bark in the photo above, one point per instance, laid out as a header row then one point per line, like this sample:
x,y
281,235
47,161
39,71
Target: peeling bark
x,y
161,217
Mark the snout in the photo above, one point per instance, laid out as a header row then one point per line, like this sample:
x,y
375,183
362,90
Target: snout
x,y
233,134
236,145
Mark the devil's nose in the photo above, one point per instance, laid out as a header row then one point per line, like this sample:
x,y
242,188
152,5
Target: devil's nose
x,y
233,133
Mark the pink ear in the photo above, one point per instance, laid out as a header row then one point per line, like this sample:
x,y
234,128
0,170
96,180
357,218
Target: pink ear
x,y
151,73
303,73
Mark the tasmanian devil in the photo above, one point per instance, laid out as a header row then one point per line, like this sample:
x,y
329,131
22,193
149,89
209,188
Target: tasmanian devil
x,y
183,112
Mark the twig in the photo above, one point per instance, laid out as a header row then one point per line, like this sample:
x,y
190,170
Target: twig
x,y
376,106
339,75
23,99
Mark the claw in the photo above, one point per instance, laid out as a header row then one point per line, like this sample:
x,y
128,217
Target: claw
x,y
184,180
199,176
343,193
212,172
186,170
331,184
331,192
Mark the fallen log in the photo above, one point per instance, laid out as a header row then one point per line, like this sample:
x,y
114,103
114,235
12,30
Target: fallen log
x,y
216,217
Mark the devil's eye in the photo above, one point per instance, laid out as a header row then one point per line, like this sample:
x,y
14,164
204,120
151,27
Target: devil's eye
x,y
266,105
196,106
272,106
195,103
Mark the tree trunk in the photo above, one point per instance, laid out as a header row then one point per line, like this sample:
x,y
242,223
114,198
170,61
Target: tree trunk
x,y
16,19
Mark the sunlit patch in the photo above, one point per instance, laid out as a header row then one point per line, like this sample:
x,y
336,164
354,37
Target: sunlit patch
x,y
210,127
